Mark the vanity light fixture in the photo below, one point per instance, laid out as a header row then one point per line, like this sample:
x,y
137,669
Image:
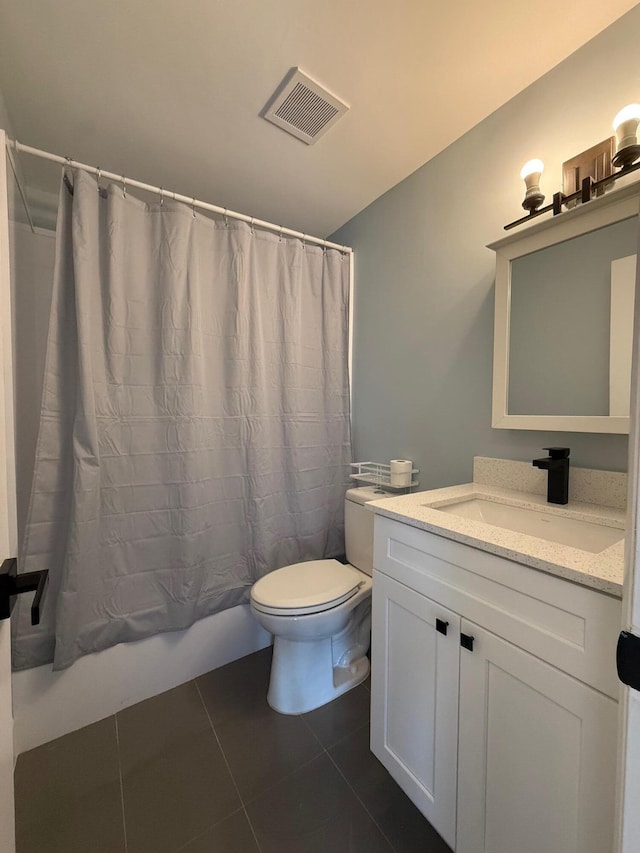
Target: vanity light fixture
x,y
626,159
530,174
625,125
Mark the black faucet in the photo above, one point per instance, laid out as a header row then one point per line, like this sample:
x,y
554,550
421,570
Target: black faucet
x,y
557,464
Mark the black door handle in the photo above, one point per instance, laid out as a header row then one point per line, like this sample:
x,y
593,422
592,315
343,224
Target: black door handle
x,y
12,584
628,659
442,626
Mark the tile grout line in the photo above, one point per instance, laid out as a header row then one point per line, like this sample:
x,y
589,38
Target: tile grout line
x,y
355,794
224,757
286,777
366,724
304,764
304,720
208,829
124,819
280,779
349,785
351,788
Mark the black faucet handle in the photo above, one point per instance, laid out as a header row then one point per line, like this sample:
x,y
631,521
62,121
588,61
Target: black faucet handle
x,y
558,452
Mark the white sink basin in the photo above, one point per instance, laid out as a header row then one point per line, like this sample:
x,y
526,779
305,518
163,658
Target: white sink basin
x,y
586,535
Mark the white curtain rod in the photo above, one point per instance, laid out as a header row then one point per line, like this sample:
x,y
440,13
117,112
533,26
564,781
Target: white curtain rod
x,y
203,205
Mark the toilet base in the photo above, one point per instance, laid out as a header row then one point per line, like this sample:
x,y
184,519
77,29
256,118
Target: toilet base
x,y
303,676
308,673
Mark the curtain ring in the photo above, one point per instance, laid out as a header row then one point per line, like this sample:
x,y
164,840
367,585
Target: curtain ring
x,y
226,221
304,242
193,206
65,173
251,226
99,171
124,187
280,235
161,197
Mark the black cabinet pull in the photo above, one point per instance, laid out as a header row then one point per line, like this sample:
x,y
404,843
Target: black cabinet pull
x,y
628,659
442,626
466,641
12,584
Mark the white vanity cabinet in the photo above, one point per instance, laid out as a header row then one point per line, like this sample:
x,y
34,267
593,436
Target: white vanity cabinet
x,y
510,745
537,754
416,696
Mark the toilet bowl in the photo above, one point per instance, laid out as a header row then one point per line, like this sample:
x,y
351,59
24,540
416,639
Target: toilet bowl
x,y
319,613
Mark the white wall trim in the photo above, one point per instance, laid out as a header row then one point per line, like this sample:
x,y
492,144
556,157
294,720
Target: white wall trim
x,y
351,321
628,782
8,517
49,704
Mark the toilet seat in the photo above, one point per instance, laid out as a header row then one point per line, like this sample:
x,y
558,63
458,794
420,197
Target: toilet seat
x,y
303,588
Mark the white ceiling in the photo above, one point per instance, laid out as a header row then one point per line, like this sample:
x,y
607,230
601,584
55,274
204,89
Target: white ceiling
x,y
171,92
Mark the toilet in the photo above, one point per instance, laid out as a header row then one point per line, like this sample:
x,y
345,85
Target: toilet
x,y
319,613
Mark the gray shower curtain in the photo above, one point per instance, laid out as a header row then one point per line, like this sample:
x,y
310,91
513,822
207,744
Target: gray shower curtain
x,y
195,421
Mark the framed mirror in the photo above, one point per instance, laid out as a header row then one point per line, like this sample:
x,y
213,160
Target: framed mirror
x,y
564,303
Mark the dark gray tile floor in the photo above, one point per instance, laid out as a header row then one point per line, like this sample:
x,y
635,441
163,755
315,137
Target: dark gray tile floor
x,y
209,768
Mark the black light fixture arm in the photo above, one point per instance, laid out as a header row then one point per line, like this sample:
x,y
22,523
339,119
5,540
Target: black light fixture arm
x,y
587,189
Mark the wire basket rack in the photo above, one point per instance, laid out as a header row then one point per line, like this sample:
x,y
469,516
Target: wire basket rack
x,y
379,474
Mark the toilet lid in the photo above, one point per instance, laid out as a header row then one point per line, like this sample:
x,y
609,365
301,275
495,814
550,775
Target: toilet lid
x,y
306,587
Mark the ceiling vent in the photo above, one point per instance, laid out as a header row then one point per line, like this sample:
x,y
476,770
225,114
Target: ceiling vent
x,y
303,108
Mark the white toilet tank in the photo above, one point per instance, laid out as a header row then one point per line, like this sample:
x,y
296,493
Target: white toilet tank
x,y
358,526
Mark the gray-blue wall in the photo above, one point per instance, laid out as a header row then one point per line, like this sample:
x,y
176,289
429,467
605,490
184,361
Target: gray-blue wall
x,y
423,330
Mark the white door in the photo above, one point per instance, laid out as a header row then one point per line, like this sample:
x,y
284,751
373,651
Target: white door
x,y
8,530
536,755
414,698
628,828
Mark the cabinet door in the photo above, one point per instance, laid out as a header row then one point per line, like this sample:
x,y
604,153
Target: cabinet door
x,y
537,755
414,698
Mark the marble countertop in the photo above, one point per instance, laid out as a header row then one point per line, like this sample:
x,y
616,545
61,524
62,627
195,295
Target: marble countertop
x,y
602,571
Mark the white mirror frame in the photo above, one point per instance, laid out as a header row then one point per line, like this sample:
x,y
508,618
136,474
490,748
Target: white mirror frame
x,y
612,207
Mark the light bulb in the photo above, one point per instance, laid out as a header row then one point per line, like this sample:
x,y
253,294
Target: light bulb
x,y
530,174
625,125
631,111
532,167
